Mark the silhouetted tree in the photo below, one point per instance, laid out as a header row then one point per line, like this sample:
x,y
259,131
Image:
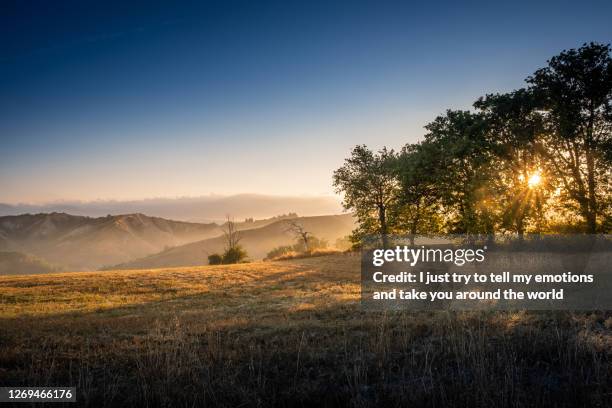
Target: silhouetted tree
x,y
515,127
576,93
368,183
418,199
464,155
522,159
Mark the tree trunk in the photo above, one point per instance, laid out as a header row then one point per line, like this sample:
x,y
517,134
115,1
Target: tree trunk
x,y
520,229
592,199
414,226
382,219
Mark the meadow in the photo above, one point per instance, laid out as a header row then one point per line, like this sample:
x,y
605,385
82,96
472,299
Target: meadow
x,y
286,333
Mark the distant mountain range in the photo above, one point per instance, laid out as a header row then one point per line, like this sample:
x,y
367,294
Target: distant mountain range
x,y
77,242
195,209
37,243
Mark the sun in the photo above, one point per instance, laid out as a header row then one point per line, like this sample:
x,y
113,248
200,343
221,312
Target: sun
x,y
534,180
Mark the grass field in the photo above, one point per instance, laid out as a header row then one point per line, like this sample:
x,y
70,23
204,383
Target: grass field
x,y
288,333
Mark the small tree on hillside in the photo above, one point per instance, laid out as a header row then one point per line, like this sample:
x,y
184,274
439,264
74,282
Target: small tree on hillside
x,y
234,253
301,234
231,234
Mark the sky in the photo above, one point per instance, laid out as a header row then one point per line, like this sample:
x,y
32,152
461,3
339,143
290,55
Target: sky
x,y
129,100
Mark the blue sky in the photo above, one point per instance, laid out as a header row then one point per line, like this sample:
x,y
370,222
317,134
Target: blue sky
x,y
127,100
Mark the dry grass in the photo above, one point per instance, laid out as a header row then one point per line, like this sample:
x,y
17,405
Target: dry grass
x,y
284,334
308,254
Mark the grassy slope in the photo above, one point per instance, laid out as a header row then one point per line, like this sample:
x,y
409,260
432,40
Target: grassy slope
x,y
279,333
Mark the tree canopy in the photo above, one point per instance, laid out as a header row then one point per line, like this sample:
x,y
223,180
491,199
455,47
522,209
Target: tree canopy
x,y
537,159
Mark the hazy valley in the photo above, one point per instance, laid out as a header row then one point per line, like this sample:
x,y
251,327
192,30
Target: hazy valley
x,y
62,242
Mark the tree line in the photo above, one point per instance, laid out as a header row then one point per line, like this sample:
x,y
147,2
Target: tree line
x,y
534,160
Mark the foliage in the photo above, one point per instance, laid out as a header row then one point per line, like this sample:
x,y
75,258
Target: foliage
x,y
537,159
343,244
308,254
215,259
514,125
369,185
280,250
314,244
234,255
234,252
576,94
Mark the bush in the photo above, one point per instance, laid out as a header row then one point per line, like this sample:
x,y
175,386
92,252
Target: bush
x,y
215,259
234,255
278,251
317,247
344,244
307,254
314,244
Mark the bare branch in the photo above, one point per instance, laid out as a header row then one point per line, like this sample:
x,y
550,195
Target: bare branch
x,y
301,234
231,233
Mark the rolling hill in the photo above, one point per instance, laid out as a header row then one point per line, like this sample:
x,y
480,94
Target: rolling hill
x,y
82,243
257,242
16,263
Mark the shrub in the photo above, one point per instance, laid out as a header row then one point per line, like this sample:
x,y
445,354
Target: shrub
x,y
314,244
307,254
215,259
278,251
344,243
234,255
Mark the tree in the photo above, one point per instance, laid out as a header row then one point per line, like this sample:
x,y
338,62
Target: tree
x,y
515,126
417,201
230,233
300,232
464,155
234,253
369,186
576,96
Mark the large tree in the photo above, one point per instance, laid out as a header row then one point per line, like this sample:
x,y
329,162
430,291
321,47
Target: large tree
x,y
368,184
576,93
464,156
418,202
515,126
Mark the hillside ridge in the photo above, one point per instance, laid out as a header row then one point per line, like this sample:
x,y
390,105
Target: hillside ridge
x,y
257,242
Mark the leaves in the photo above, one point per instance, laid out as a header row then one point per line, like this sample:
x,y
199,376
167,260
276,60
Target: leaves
x,y
471,172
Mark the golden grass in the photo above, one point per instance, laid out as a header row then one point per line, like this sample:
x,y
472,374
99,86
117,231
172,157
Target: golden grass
x,y
285,333
308,254
213,290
